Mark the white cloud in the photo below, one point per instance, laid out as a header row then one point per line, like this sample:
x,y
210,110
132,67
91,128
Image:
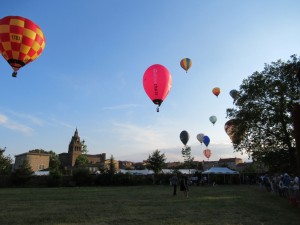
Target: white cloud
x,y
32,119
140,137
12,125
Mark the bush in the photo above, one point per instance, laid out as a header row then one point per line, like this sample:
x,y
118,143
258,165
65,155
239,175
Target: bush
x,y
82,177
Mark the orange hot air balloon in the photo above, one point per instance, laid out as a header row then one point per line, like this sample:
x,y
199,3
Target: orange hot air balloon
x,y
186,64
207,153
216,91
21,41
157,82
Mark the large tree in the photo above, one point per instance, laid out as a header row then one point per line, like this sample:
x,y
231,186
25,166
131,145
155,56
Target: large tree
x,y
156,161
262,111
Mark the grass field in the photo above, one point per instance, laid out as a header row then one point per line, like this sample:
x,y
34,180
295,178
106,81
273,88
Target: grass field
x,y
145,205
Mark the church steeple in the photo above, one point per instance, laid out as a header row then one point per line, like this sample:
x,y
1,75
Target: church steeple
x,y
75,147
76,133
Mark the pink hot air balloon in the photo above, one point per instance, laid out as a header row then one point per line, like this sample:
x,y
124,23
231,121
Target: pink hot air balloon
x,y
157,83
207,153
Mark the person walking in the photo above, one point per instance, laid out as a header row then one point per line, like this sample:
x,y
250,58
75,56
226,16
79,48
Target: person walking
x,y
184,185
174,183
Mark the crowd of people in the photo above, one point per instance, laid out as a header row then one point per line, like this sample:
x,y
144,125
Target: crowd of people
x,y
284,185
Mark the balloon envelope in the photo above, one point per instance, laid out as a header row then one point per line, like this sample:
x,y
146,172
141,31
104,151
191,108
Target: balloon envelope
x,y
186,64
21,41
213,119
216,91
200,137
233,93
231,128
206,140
157,82
184,137
207,153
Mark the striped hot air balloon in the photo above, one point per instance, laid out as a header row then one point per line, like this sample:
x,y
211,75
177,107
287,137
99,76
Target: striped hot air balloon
x,y
186,64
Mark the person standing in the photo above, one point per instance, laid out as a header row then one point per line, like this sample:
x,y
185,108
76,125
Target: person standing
x,y
184,186
174,183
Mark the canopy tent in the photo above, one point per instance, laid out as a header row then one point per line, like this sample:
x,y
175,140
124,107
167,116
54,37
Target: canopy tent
x,y
214,171
220,170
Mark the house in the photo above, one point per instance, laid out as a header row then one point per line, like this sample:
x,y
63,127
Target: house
x,y
126,165
230,162
209,164
37,161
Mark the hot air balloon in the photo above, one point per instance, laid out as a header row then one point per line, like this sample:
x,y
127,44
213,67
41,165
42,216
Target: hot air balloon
x,y
206,140
21,41
231,128
207,153
213,119
184,137
234,94
216,91
186,64
157,82
200,137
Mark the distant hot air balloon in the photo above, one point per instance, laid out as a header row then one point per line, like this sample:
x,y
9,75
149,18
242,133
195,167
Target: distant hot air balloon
x,y
207,153
216,91
184,137
206,140
186,64
157,82
21,41
234,94
213,119
200,137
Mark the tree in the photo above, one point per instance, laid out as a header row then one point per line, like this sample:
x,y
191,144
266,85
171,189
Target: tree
x,y
82,160
23,174
187,156
263,110
111,170
5,163
54,162
156,161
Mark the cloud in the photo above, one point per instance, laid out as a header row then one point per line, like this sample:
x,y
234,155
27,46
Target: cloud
x,y
12,125
32,119
140,137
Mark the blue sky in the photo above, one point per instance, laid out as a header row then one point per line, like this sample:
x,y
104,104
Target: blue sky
x,y
90,73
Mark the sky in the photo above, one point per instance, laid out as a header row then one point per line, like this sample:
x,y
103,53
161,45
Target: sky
x,y
90,73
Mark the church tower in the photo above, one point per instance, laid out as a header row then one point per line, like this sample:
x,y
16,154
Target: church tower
x,y
75,148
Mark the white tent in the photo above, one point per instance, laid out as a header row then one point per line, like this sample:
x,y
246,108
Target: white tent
x,y
220,170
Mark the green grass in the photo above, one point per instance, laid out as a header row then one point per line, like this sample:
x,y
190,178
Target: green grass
x,y
141,205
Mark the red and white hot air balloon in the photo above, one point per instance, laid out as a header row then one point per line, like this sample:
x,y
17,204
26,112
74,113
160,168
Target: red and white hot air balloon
x,y
157,82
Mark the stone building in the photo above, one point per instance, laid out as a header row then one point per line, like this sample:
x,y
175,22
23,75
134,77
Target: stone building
x,y
75,149
37,161
230,162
